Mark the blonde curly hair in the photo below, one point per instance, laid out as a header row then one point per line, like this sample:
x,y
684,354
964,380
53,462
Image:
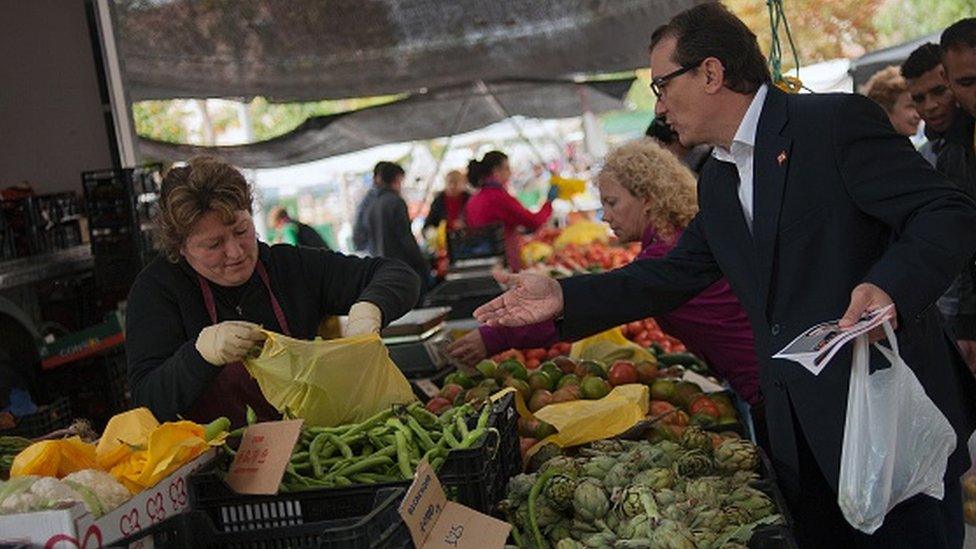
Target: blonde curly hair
x,y
648,170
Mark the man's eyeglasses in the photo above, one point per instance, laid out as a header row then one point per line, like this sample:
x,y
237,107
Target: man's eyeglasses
x,y
657,84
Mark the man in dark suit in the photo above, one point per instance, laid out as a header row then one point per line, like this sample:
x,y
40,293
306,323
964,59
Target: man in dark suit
x,y
813,208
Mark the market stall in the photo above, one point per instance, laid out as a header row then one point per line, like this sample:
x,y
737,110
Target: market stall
x,y
623,436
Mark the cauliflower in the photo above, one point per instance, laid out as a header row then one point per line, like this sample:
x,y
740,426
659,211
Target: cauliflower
x,y
98,490
31,493
109,492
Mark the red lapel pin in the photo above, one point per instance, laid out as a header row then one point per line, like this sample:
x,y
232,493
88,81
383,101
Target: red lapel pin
x,y
781,158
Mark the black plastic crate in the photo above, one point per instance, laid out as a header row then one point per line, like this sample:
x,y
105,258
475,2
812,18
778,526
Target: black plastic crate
x,y
372,524
475,477
48,418
34,225
96,386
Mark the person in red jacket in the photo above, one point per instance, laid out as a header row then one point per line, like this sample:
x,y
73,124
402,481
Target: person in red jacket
x,y
493,204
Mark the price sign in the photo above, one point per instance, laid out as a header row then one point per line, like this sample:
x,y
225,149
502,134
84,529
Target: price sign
x,y
263,457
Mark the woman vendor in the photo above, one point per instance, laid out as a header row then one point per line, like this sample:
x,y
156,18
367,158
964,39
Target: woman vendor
x,y
648,196
197,310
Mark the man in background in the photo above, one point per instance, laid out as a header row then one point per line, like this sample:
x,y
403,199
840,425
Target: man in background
x,y
957,161
925,78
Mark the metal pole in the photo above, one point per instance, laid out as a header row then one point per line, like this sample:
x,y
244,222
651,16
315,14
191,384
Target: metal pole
x,y
503,112
455,126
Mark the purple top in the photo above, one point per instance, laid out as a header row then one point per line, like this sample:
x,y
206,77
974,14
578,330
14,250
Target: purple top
x,y
713,325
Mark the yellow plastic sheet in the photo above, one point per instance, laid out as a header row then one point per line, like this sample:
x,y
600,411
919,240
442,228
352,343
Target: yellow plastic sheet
x,y
54,458
568,187
609,346
582,421
583,233
329,383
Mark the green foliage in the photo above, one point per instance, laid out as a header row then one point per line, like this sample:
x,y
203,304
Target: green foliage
x,y
902,20
160,120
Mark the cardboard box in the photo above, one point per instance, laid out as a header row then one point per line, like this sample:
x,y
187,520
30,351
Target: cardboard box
x,y
75,528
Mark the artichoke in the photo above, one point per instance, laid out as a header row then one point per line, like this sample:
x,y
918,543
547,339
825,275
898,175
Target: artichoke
x,y
619,475
544,454
657,478
742,478
637,499
705,538
590,501
560,531
666,498
694,438
705,490
666,452
559,491
708,519
736,455
569,543
736,516
608,446
672,535
600,540
598,467
546,515
564,464
519,487
693,463
754,502
633,527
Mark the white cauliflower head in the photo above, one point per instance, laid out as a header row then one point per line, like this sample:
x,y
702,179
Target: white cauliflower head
x,y
110,492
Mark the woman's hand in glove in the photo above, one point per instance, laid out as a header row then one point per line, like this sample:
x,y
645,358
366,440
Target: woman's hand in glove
x,y
228,341
364,318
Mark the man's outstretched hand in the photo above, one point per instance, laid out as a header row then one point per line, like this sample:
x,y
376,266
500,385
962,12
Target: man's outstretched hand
x,y
530,299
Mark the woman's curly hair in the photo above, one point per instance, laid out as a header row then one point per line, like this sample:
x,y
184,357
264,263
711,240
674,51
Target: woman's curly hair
x,y
188,192
650,171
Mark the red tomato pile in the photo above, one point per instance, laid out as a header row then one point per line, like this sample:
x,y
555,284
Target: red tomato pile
x,y
646,332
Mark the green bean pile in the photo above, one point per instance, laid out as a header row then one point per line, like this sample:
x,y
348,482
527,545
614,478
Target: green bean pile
x,y
385,448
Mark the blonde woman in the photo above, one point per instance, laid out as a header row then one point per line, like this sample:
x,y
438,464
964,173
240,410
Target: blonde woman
x,y
888,89
650,197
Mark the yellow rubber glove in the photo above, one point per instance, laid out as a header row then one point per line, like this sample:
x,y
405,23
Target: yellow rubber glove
x,y
364,318
228,341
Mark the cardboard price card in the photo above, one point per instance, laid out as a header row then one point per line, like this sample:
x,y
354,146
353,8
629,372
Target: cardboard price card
x,y
436,523
263,457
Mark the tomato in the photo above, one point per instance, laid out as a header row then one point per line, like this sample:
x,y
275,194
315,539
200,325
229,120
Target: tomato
x,y
623,372
660,407
532,363
704,405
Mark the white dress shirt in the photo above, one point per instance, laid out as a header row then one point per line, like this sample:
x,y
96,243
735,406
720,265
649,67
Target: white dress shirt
x,y
741,152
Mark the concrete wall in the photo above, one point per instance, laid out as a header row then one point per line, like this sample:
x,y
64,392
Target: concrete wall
x,y
52,125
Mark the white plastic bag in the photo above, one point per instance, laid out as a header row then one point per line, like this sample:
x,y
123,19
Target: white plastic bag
x,y
896,441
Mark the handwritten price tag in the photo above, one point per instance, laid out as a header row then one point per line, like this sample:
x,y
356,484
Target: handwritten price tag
x,y
436,523
263,457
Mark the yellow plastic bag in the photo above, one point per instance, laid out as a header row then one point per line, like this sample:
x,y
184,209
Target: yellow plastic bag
x,y
329,383
582,421
54,458
609,346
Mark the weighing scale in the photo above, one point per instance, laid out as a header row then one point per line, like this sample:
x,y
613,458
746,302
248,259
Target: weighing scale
x,y
418,343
